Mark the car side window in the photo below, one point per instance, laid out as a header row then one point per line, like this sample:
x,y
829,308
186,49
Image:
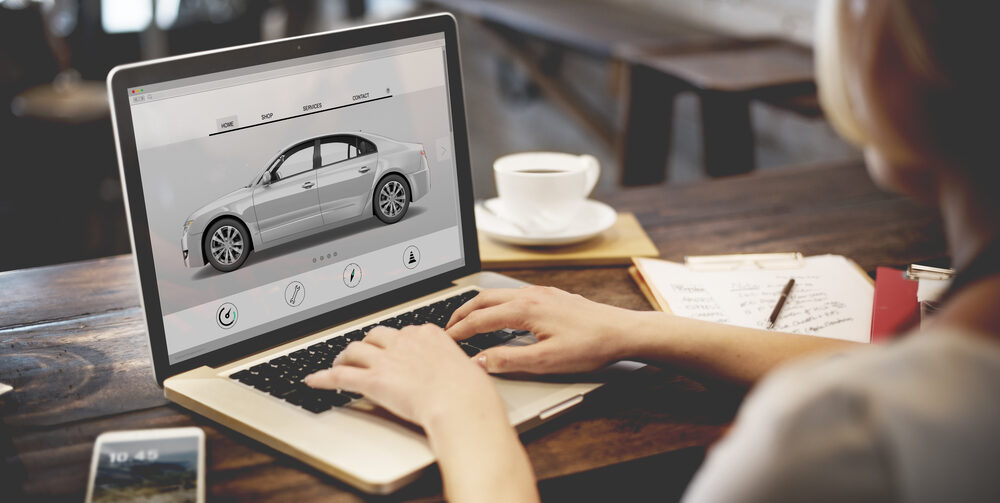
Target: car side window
x,y
297,162
333,150
365,147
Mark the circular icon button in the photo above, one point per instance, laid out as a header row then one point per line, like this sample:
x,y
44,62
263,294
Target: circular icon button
x,y
411,257
226,315
352,275
295,293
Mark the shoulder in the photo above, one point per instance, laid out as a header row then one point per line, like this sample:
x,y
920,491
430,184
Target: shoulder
x,y
871,424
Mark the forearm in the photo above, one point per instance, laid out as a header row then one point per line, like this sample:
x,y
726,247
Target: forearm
x,y
738,354
481,457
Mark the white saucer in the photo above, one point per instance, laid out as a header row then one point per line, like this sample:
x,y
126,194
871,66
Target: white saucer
x,y
595,217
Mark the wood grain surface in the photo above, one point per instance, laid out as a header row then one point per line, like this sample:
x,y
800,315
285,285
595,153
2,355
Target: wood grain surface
x,y
73,346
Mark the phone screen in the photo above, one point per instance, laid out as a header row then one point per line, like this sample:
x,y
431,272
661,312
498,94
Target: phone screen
x,y
164,470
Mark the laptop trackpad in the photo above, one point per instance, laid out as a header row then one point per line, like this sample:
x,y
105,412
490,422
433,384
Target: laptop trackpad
x,y
527,395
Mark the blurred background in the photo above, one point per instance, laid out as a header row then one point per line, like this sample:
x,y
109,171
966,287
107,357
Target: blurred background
x,y
661,91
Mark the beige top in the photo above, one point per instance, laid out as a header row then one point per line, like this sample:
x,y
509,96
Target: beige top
x,y
915,421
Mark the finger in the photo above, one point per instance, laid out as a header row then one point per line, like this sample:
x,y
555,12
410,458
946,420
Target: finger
x,y
422,329
506,315
358,354
505,359
340,377
381,336
486,298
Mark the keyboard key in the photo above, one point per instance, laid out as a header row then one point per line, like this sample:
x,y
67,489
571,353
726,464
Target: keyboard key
x,y
316,406
286,389
250,379
392,323
489,339
469,350
336,399
240,374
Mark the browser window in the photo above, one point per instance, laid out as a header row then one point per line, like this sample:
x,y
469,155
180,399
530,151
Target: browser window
x,y
283,191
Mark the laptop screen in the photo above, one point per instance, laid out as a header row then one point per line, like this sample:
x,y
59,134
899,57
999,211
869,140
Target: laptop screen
x,y
279,192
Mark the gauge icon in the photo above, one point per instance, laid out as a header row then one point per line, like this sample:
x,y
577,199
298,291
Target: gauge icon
x,y
352,275
226,315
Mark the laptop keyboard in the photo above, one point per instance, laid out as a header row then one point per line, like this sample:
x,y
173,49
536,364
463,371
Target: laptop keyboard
x,y
282,376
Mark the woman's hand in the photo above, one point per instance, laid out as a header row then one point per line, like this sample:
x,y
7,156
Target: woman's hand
x,y
574,334
418,373
421,375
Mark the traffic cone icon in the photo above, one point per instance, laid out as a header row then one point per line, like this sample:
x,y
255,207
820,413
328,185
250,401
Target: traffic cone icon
x,y
413,258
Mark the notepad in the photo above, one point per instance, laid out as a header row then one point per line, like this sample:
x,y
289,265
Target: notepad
x,y
832,297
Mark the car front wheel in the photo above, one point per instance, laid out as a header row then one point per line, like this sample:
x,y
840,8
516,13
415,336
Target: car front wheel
x,y
392,199
227,244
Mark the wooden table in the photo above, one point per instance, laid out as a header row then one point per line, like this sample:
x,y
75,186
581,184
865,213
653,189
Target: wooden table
x,y
73,346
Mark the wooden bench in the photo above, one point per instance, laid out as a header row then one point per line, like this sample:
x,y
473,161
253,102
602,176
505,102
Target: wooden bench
x,y
591,27
726,80
663,58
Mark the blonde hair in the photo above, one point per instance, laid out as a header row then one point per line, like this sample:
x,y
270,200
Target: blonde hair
x,y
831,82
942,50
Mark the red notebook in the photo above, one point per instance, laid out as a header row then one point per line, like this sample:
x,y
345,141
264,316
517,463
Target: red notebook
x,y
895,308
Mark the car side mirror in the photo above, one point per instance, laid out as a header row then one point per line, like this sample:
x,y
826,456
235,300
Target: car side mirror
x,y
270,177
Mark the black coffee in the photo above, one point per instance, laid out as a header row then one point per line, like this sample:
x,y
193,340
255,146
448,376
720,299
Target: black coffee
x,y
540,171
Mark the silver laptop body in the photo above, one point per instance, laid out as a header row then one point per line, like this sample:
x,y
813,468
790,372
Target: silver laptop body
x,y
284,193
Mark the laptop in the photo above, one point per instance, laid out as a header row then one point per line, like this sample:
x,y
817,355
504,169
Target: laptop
x,y
286,197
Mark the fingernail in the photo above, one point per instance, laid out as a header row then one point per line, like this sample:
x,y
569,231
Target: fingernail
x,y
481,361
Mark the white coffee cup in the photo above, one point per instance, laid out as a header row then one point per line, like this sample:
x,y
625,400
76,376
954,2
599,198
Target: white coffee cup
x,y
542,192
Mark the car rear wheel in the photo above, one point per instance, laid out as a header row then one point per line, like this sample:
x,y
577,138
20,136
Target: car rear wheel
x,y
392,199
227,244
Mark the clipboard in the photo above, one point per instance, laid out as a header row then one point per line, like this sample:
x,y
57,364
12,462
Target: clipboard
x,y
904,299
719,295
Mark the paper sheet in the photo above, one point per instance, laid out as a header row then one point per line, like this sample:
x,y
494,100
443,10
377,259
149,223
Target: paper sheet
x,y
830,298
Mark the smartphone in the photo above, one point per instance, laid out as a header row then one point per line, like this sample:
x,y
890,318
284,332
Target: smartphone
x,y
162,465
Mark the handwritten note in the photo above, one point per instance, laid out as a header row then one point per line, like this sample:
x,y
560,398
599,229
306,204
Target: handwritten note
x,y
831,297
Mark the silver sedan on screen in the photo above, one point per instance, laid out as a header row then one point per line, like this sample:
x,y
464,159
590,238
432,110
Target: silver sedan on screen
x,y
308,187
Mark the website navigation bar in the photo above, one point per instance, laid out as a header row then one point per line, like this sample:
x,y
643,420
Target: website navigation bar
x,y
232,125
188,116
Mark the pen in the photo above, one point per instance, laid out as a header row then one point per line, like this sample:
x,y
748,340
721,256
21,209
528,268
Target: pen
x,y
781,303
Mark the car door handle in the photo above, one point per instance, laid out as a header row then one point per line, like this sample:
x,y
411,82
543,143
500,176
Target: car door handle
x,y
364,169
307,185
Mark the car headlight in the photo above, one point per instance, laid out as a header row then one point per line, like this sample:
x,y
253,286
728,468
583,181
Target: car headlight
x,y
187,225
